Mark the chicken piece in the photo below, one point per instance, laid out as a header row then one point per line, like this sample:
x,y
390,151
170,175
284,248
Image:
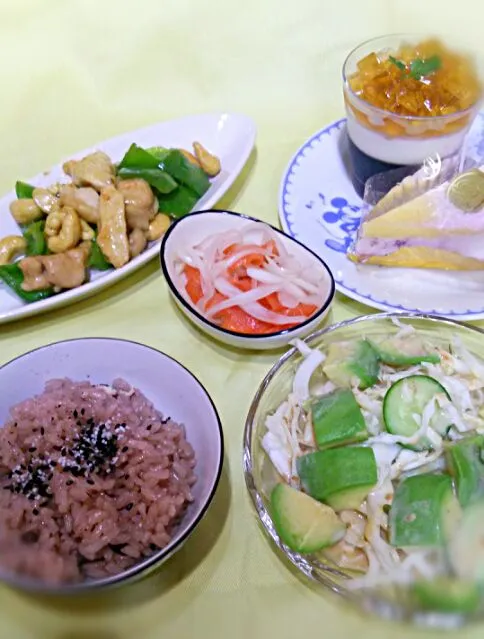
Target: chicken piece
x,y
139,201
113,233
137,242
94,170
61,271
85,200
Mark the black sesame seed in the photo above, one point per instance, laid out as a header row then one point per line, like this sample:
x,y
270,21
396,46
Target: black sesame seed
x,y
129,506
32,449
35,511
153,547
149,427
30,537
34,430
69,482
42,431
76,414
83,410
90,482
124,449
57,448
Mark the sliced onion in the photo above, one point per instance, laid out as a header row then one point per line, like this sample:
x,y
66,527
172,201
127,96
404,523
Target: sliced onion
x,y
235,297
287,300
253,308
282,274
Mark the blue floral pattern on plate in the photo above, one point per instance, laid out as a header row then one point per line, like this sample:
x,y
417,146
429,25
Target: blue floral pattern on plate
x,y
327,219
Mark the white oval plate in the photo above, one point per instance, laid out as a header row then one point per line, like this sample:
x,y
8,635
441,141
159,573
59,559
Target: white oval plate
x,y
319,206
230,136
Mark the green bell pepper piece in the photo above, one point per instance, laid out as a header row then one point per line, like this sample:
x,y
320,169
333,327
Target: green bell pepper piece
x,y
97,260
159,152
178,203
35,238
186,172
140,163
23,190
160,180
12,276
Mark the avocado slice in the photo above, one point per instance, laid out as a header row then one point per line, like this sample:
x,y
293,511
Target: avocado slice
x,y
349,361
424,511
404,351
447,594
465,460
340,477
337,419
466,548
304,524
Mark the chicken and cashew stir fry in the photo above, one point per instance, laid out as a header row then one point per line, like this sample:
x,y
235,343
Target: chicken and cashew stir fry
x,y
104,217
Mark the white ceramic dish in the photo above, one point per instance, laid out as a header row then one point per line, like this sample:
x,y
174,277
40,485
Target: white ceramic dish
x,y
172,389
198,226
230,136
319,207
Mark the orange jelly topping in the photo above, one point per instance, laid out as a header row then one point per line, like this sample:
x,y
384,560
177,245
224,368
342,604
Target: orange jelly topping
x,y
426,79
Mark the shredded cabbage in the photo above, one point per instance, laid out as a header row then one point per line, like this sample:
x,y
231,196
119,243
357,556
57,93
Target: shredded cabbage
x,y
290,435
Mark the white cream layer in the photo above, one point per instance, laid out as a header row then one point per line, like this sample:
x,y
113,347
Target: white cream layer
x,y
401,150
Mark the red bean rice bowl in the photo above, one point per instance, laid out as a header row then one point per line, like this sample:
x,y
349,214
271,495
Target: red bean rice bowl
x,y
92,480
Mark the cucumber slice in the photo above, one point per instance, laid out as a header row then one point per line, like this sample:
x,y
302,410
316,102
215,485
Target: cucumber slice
x,y
404,351
424,512
337,419
347,362
466,548
304,524
447,594
341,477
406,398
465,460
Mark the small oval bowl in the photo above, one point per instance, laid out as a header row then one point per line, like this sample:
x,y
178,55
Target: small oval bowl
x,y
195,228
171,388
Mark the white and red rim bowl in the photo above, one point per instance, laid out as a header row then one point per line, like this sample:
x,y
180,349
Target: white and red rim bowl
x,y
196,227
173,390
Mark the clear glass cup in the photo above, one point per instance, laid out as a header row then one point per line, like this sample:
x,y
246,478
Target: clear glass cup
x,y
381,140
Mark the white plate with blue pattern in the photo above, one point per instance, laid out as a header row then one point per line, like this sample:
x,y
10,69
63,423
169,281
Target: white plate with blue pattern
x,y
319,207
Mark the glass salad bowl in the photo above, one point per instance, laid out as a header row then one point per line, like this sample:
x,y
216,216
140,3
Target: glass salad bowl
x,y
420,593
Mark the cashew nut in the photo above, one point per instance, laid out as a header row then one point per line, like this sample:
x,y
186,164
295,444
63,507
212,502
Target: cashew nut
x,y
189,156
10,246
137,242
158,226
209,163
69,233
45,200
25,211
87,232
53,223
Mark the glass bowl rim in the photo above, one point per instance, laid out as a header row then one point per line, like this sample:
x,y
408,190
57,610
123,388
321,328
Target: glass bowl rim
x,y
317,574
395,116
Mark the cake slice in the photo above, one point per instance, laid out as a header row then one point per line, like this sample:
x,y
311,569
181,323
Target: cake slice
x,y
423,223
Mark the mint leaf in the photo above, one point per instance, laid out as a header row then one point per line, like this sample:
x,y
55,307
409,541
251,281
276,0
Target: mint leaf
x,y
398,63
420,68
